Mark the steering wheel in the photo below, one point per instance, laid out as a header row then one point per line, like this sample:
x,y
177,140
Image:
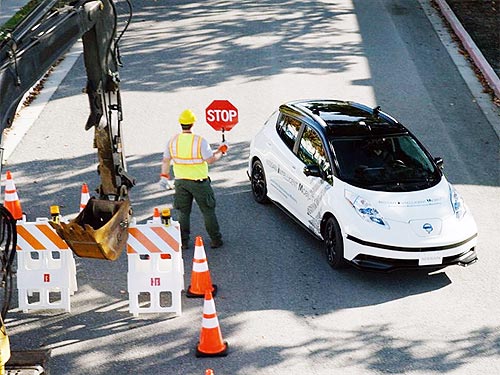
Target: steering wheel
x,y
398,163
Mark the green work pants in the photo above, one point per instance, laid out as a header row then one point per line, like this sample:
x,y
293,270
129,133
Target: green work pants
x,y
201,191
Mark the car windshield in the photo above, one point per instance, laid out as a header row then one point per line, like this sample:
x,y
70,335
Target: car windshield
x,y
395,163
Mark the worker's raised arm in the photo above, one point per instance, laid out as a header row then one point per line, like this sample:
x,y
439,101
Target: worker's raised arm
x,y
217,154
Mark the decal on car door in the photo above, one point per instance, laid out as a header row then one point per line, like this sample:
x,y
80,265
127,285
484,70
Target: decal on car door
x,y
315,179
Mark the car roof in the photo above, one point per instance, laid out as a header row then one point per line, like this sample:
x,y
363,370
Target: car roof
x,y
344,118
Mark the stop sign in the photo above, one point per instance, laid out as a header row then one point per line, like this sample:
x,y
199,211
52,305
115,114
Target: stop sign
x,y
221,115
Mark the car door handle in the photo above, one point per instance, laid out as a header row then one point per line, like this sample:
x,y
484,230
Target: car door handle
x,y
294,167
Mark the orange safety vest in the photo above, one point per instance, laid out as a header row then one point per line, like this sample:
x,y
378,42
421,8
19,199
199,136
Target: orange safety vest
x,y
185,151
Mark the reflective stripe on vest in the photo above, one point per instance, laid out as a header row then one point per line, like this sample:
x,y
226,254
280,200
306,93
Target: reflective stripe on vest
x,y
185,151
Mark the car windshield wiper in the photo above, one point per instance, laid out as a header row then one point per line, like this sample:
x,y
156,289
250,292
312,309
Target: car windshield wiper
x,y
405,183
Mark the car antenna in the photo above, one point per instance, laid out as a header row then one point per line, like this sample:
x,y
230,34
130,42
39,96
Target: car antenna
x,y
376,111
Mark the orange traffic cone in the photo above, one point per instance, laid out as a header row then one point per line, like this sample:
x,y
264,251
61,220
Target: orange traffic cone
x,y
209,371
211,344
84,197
11,201
200,277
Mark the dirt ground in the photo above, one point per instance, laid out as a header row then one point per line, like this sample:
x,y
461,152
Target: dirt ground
x,y
481,19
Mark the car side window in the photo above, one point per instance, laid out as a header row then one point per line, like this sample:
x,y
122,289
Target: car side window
x,y
312,152
288,128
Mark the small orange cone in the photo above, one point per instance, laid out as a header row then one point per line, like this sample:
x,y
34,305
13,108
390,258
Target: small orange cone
x,y
11,201
84,197
156,216
200,277
209,371
211,344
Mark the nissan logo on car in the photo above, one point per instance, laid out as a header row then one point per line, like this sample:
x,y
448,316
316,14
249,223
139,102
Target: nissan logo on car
x,y
427,227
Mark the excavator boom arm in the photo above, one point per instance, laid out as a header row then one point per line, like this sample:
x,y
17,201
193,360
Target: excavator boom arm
x,y
26,53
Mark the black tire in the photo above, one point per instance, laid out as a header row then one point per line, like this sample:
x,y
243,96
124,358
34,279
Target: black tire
x,y
259,185
334,244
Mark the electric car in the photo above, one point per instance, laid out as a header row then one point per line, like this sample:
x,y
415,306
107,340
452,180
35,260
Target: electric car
x,y
360,181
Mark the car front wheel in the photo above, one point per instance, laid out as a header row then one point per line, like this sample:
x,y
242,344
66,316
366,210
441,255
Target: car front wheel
x,y
334,245
258,179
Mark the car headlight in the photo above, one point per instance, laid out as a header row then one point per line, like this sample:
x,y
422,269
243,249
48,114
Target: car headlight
x,y
365,209
457,203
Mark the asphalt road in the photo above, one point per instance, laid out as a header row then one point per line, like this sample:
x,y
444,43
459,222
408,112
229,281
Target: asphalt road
x,y
280,306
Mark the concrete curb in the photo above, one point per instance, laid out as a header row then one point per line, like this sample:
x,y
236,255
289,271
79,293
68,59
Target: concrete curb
x,y
471,47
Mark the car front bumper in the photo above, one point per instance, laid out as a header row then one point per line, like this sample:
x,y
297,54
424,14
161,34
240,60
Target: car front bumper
x,y
386,258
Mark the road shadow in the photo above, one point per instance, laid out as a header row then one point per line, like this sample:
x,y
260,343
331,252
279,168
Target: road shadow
x,y
255,260
208,44
450,123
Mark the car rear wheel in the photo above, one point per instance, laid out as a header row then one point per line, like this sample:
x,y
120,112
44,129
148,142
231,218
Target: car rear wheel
x,y
334,245
259,185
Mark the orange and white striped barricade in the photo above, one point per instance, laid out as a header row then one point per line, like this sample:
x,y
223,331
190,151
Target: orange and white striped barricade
x,y
46,269
155,267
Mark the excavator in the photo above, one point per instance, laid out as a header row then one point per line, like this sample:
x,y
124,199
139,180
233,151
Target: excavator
x,y
31,42
26,53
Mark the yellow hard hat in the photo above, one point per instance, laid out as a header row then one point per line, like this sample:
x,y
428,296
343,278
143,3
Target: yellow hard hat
x,y
187,117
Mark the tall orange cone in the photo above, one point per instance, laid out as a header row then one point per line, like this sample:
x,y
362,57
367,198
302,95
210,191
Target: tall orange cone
x,y
11,200
200,277
211,343
84,197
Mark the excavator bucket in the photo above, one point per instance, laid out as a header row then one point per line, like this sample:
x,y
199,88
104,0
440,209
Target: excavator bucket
x,y
100,231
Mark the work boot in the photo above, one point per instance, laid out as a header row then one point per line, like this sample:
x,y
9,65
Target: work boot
x,y
214,244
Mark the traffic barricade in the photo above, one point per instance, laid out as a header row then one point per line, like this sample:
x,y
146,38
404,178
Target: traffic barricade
x,y
155,276
46,269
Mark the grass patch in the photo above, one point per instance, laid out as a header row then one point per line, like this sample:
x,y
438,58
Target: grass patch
x,y
20,15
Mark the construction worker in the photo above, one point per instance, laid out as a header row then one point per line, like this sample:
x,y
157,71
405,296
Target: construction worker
x,y
191,155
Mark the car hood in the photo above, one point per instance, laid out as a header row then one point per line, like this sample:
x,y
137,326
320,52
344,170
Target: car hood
x,y
432,203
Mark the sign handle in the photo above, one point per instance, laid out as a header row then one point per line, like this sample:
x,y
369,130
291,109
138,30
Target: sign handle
x,y
223,137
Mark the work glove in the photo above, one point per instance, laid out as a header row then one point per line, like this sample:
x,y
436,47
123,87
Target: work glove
x,y
165,183
223,148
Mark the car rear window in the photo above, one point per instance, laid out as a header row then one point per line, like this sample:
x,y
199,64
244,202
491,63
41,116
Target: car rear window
x,y
288,129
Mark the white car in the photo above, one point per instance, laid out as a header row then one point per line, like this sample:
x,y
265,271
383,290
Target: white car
x,y
361,182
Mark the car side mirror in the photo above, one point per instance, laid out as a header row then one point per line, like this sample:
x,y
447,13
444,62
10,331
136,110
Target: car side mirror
x,y
439,162
312,170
